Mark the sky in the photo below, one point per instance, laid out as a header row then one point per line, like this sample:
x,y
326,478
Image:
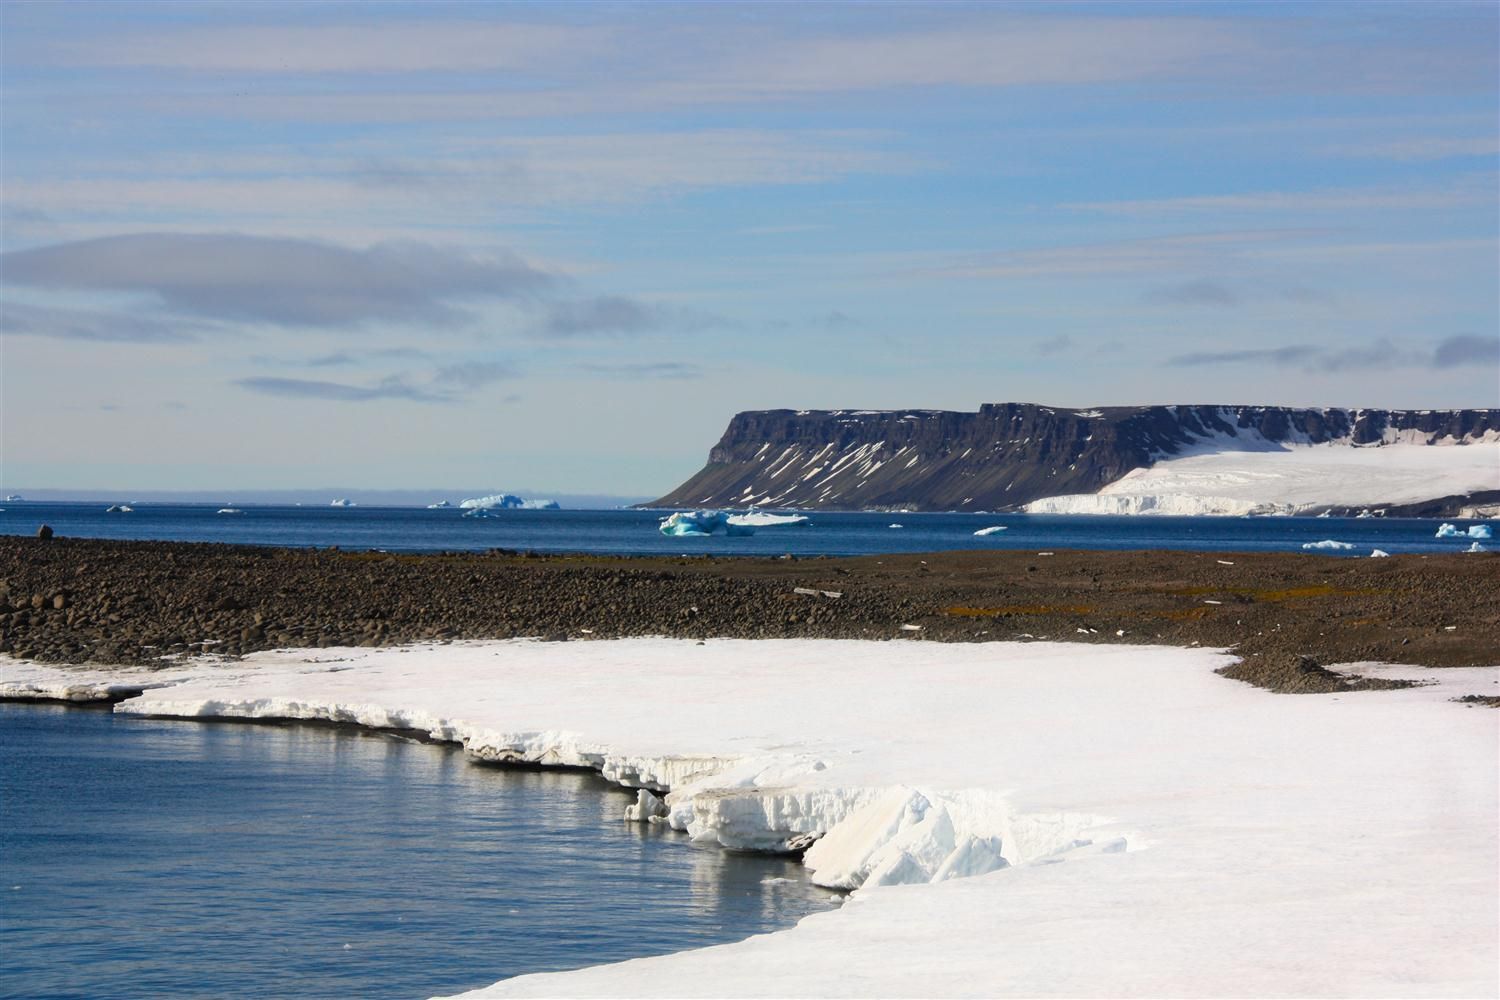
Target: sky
x,y
557,246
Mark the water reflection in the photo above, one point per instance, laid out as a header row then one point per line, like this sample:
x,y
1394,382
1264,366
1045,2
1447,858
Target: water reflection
x,y
179,858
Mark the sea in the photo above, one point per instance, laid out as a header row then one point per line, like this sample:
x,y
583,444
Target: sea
x,y
143,857
634,532
159,858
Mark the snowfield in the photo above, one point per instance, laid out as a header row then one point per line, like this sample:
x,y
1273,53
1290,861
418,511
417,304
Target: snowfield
x,y
1024,819
1289,479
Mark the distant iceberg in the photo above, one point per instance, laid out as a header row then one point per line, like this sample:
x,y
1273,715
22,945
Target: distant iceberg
x,y
1327,543
229,510
760,519
119,508
440,505
1378,554
1475,547
507,501
1446,530
1479,531
701,523
14,498
995,530
342,502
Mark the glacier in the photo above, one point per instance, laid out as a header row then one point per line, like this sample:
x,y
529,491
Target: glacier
x,y
1170,833
1290,479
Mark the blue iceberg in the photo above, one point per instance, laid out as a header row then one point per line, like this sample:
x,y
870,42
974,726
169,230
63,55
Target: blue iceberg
x,y
702,523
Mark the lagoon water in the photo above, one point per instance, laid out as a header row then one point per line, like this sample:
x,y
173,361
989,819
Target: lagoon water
x,y
143,857
633,532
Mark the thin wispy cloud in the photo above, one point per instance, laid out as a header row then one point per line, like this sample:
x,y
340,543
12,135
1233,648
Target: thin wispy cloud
x,y
615,315
643,370
19,319
1382,354
1454,194
339,392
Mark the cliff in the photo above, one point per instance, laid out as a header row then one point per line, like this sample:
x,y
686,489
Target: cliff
x,y
1009,454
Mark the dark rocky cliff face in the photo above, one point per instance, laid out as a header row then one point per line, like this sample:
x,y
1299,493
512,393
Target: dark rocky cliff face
x,y
1007,454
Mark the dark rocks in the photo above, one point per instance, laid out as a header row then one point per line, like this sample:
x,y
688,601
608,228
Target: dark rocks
x,y
44,532
137,601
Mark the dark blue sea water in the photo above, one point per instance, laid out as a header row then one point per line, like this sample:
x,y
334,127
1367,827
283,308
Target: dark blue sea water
x,y
633,532
144,857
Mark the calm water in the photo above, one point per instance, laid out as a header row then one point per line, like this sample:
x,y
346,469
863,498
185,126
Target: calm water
x,y
633,532
144,857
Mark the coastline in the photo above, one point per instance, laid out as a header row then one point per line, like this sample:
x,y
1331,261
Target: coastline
x,y
1287,616
1122,800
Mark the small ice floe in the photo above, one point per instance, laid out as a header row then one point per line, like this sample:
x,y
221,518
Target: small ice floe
x,y
1446,530
1379,554
119,508
995,530
1327,543
440,505
895,525
777,880
229,510
1475,547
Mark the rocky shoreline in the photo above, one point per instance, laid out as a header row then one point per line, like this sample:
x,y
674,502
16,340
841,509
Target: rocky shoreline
x,y
1288,615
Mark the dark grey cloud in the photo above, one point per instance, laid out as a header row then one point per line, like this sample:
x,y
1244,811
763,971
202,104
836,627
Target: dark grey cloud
x,y
1467,349
618,314
659,369
299,388
281,281
1194,293
23,320
472,375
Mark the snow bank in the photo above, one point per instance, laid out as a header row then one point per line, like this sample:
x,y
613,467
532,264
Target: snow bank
x,y
1024,819
1327,543
1290,479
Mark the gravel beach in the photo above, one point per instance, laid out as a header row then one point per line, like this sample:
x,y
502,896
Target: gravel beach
x,y
1287,615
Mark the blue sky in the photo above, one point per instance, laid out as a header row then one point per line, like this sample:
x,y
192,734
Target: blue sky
x,y
557,246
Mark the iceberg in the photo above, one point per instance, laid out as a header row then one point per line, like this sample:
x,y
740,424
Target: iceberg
x,y
341,502
1479,531
760,519
701,523
119,508
14,498
440,505
893,525
229,510
1327,543
1378,554
1448,531
994,530
507,501
1475,547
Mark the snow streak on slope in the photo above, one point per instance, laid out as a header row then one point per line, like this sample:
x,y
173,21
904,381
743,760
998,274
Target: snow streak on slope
x,y
1259,844
1290,479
